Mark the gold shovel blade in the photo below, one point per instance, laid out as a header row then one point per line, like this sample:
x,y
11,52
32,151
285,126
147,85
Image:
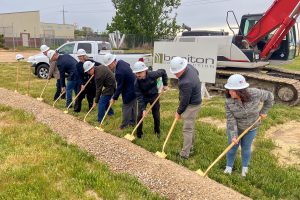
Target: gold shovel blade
x,y
39,99
66,111
161,154
200,172
99,128
129,137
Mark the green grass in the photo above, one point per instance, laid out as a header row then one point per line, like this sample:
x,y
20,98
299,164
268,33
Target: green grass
x,y
266,179
293,66
36,163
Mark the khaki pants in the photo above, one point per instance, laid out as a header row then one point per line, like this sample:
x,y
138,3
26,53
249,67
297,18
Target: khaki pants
x,y
189,116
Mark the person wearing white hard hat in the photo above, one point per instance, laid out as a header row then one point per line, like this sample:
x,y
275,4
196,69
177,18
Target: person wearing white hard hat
x,y
242,108
19,57
125,86
66,64
53,72
90,90
44,49
189,101
146,91
105,87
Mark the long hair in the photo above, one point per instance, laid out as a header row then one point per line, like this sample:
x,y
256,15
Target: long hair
x,y
243,94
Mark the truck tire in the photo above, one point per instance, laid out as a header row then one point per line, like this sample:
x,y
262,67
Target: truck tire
x,y
42,71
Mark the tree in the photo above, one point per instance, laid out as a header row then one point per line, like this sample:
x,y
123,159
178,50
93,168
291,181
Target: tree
x,y
151,18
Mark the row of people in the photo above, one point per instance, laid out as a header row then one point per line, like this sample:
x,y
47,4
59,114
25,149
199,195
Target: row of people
x,y
242,104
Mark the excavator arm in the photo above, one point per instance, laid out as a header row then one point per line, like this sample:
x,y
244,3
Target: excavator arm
x,y
282,16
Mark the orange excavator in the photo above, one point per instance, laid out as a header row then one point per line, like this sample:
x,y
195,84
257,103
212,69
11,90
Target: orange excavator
x,y
261,38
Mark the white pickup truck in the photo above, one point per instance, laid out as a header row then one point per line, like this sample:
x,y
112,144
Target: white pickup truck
x,y
94,49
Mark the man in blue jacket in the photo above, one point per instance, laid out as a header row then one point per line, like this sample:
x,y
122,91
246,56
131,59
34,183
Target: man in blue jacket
x,y
125,86
66,64
90,90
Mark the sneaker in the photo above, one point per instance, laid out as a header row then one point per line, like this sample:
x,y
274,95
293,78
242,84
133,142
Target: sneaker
x,y
158,135
244,171
123,127
228,170
182,157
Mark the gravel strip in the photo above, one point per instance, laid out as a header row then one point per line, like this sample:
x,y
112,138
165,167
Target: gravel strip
x,y
159,175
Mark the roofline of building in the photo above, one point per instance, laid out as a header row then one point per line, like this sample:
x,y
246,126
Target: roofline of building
x,y
19,12
57,24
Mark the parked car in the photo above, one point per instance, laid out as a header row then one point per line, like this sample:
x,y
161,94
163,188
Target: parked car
x,y
94,49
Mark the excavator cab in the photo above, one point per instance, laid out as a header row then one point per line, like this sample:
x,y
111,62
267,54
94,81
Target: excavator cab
x,y
285,51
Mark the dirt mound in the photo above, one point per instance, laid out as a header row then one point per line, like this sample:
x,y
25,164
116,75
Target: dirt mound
x,y
163,176
287,140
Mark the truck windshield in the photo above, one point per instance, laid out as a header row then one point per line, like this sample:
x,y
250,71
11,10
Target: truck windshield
x,y
103,46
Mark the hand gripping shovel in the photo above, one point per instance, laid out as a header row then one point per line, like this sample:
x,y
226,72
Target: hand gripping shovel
x,y
84,119
66,111
131,137
162,154
100,128
201,173
40,98
61,94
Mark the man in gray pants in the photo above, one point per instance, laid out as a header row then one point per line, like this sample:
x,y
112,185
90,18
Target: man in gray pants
x,y
189,101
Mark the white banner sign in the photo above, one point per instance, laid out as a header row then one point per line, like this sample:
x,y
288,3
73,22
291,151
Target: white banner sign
x,y
201,53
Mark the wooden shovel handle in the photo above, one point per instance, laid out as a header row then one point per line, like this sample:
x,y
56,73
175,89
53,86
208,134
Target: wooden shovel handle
x,y
80,92
44,88
58,97
230,146
110,105
169,134
151,106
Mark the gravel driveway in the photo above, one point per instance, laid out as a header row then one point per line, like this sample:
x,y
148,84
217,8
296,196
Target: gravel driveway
x,y
163,176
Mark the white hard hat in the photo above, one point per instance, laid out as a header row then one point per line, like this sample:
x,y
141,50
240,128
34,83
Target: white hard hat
x,y
81,52
87,65
139,67
108,59
50,54
236,82
19,57
178,64
44,48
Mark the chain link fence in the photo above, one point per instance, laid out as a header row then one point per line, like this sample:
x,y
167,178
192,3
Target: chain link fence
x,y
9,39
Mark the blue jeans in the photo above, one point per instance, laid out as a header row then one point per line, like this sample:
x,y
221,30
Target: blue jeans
x,y
245,143
58,89
102,107
71,85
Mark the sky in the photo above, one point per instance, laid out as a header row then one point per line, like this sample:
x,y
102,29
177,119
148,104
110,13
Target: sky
x,y
198,14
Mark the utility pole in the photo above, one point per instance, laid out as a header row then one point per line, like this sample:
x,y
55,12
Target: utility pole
x,y
63,12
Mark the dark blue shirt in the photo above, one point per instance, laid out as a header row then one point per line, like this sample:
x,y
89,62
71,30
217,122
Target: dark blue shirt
x,y
67,64
125,82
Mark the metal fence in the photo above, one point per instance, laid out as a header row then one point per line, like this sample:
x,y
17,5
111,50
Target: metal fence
x,y
14,40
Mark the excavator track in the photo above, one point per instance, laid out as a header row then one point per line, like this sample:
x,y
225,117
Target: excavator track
x,y
286,89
